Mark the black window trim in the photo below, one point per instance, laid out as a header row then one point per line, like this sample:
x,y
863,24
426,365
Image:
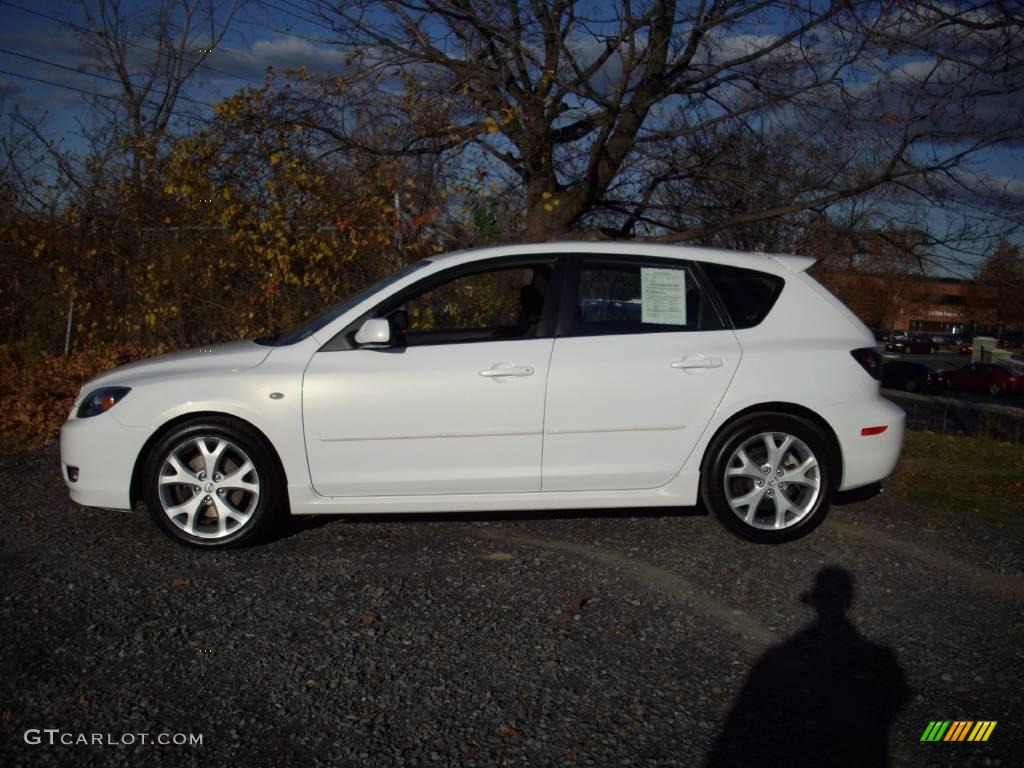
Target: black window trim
x,y
344,340
570,291
722,307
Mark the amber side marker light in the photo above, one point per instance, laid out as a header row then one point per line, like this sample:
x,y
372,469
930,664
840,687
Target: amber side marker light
x,y
867,431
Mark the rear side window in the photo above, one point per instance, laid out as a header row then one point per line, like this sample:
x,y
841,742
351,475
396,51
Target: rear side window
x,y
747,295
631,297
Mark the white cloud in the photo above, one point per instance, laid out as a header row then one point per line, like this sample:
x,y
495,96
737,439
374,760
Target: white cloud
x,y
281,53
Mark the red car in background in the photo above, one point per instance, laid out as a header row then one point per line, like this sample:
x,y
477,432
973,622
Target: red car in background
x,y
986,377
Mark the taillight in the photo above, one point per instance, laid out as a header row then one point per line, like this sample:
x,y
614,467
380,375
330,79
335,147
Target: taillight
x,y
870,360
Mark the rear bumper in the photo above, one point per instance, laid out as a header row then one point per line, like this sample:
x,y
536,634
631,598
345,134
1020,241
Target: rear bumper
x,y
104,452
867,458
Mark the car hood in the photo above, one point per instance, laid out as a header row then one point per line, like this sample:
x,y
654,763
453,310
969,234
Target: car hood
x,y
234,356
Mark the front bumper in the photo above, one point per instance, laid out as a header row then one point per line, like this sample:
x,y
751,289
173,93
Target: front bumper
x,y
104,451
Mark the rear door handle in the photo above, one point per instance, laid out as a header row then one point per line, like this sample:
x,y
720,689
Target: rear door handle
x,y
501,370
697,361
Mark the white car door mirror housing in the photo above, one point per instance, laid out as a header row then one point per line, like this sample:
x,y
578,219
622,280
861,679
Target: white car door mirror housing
x,y
376,330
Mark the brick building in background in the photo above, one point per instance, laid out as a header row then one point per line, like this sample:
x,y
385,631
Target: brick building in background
x,y
882,278
907,302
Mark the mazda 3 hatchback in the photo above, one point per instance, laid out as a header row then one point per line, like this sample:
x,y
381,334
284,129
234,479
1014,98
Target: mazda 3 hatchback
x,y
532,377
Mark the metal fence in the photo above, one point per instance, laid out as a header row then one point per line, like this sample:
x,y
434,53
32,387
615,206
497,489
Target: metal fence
x,y
949,416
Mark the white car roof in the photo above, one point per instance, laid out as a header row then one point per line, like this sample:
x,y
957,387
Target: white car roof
x,y
751,260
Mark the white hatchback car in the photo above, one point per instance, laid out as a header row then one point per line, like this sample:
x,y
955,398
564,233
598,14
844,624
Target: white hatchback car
x,y
548,376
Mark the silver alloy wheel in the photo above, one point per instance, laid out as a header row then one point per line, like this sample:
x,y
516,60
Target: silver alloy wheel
x,y
772,481
208,487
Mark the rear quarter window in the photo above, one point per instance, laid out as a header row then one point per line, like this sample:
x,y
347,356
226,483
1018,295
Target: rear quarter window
x,y
746,294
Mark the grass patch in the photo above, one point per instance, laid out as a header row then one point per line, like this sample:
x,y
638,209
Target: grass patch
x,y
964,475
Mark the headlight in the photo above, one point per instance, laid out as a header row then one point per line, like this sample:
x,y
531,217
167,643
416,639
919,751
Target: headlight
x,y
101,400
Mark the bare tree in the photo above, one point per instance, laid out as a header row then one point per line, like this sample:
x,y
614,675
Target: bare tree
x,y
684,120
1000,286
152,56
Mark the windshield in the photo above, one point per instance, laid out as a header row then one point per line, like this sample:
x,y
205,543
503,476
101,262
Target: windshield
x,y
308,327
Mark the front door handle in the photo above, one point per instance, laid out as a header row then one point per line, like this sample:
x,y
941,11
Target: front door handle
x,y
501,370
697,361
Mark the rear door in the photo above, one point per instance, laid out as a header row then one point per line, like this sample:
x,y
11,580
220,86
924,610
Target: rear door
x,y
640,365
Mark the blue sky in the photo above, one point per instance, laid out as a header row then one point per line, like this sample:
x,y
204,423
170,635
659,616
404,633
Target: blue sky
x,y
47,41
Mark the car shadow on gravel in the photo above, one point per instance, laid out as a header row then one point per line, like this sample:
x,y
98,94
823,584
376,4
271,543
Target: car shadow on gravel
x,y
824,697
298,524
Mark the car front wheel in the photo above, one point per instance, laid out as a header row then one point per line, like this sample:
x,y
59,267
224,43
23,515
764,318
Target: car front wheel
x,y
768,477
212,483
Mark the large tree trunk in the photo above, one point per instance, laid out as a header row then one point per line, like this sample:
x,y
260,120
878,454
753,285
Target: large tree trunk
x,y
551,212
543,224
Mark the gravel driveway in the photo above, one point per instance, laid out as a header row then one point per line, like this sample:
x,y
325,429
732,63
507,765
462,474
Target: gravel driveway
x,y
611,639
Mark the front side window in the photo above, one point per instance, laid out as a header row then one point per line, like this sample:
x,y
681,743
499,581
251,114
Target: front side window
x,y
500,303
630,297
473,302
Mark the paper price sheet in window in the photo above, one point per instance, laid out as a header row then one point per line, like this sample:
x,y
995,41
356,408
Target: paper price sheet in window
x,y
663,296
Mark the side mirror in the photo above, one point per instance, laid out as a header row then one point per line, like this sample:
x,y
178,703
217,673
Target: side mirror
x,y
375,331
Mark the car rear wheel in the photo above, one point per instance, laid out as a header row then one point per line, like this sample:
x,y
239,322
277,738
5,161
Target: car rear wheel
x,y
995,388
768,477
212,483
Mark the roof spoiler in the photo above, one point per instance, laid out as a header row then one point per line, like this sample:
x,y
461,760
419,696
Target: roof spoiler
x,y
793,263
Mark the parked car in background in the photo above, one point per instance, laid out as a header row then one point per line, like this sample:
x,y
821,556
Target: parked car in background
x,y
911,377
535,377
965,346
916,344
992,378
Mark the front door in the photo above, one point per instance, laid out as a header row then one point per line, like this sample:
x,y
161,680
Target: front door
x,y
454,405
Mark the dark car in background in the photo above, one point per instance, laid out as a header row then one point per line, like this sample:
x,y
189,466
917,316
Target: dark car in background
x,y
986,377
916,344
911,377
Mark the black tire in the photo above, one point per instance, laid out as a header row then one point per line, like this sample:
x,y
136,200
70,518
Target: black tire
x,y
912,385
260,507
714,482
995,389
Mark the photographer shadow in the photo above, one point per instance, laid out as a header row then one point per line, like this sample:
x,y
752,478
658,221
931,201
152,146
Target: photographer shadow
x,y
824,697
